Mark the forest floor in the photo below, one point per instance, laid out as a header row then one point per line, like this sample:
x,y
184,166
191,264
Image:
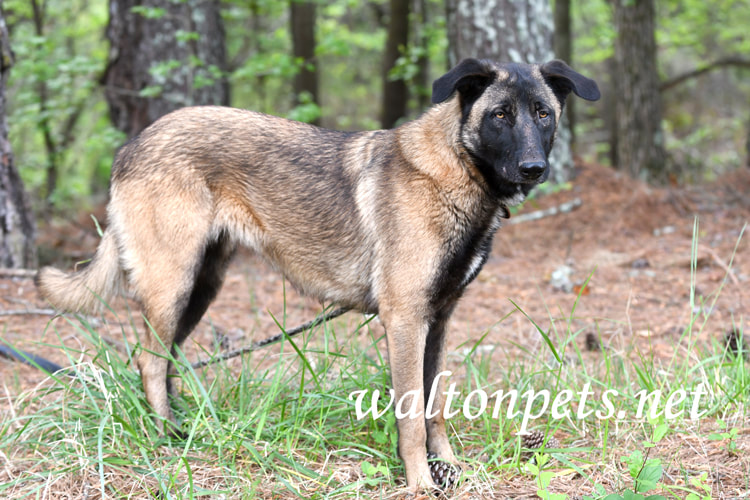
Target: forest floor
x,y
635,242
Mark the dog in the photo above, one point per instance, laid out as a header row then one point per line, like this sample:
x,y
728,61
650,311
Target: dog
x,y
391,222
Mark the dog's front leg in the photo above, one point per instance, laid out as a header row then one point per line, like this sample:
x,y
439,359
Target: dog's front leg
x,y
406,335
434,386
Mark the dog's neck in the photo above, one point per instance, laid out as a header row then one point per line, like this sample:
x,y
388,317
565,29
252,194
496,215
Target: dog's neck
x,y
423,144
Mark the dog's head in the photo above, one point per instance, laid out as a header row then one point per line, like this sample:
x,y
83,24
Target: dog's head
x,y
509,115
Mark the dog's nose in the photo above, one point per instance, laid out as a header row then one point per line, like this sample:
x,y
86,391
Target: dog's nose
x,y
532,170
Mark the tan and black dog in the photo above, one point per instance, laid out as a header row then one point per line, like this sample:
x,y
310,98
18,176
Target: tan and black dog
x,y
394,222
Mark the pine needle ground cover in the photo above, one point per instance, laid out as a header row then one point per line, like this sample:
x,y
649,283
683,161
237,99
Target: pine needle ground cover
x,y
283,422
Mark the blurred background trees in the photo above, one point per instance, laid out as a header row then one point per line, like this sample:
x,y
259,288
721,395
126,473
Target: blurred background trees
x,y
17,228
88,74
162,56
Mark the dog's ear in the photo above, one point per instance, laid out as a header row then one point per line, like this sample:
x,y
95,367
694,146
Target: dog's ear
x,y
563,80
470,77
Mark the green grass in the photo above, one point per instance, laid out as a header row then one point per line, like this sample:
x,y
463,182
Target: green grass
x,y
283,426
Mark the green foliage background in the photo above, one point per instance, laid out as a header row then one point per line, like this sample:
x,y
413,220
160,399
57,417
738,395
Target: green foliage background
x,y
706,119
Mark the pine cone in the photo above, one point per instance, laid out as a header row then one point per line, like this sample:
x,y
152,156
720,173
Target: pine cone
x,y
735,342
445,474
534,441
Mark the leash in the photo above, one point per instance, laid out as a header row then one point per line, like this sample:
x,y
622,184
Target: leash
x,y
271,340
49,367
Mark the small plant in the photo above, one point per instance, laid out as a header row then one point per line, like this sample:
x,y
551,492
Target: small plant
x,y
543,477
729,435
646,472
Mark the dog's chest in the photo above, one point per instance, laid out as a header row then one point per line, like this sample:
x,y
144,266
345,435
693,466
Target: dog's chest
x,y
465,256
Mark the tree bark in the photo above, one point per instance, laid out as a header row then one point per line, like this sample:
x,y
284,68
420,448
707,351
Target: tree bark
x,y
640,149
395,92
420,39
563,48
302,19
17,229
508,31
164,56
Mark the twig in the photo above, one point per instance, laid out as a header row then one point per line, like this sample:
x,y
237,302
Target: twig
x,y
21,312
721,264
17,273
271,340
739,62
547,212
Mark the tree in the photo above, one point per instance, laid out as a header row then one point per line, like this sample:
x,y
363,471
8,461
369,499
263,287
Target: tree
x,y
17,230
513,31
302,18
562,42
162,57
640,141
395,92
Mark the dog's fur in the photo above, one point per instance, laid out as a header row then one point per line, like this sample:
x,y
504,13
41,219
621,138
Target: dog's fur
x,y
394,222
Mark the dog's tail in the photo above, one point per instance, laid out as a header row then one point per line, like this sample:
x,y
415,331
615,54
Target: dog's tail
x,y
86,289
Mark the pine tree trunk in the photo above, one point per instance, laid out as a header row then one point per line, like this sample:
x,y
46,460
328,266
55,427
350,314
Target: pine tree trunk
x,y
640,150
17,229
162,60
422,18
563,48
395,92
302,19
508,31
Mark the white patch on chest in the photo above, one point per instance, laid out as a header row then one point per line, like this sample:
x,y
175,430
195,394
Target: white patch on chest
x,y
484,247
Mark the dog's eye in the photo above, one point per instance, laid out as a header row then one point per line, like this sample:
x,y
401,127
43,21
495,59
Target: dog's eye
x,y
543,114
500,115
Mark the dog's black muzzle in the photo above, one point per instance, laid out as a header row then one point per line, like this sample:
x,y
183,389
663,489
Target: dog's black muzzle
x,y
532,171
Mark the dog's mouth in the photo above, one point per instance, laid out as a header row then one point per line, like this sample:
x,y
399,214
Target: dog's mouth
x,y
514,196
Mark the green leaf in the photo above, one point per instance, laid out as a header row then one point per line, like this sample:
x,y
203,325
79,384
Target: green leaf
x,y
660,431
369,469
629,495
649,476
544,479
149,12
380,437
634,461
187,36
151,91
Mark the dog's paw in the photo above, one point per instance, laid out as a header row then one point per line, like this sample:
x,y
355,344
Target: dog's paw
x,y
445,474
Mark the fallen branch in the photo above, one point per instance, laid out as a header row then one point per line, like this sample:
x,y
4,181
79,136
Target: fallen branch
x,y
547,212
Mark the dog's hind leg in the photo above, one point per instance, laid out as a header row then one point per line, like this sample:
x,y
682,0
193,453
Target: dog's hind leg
x,y
163,243
172,308
208,281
